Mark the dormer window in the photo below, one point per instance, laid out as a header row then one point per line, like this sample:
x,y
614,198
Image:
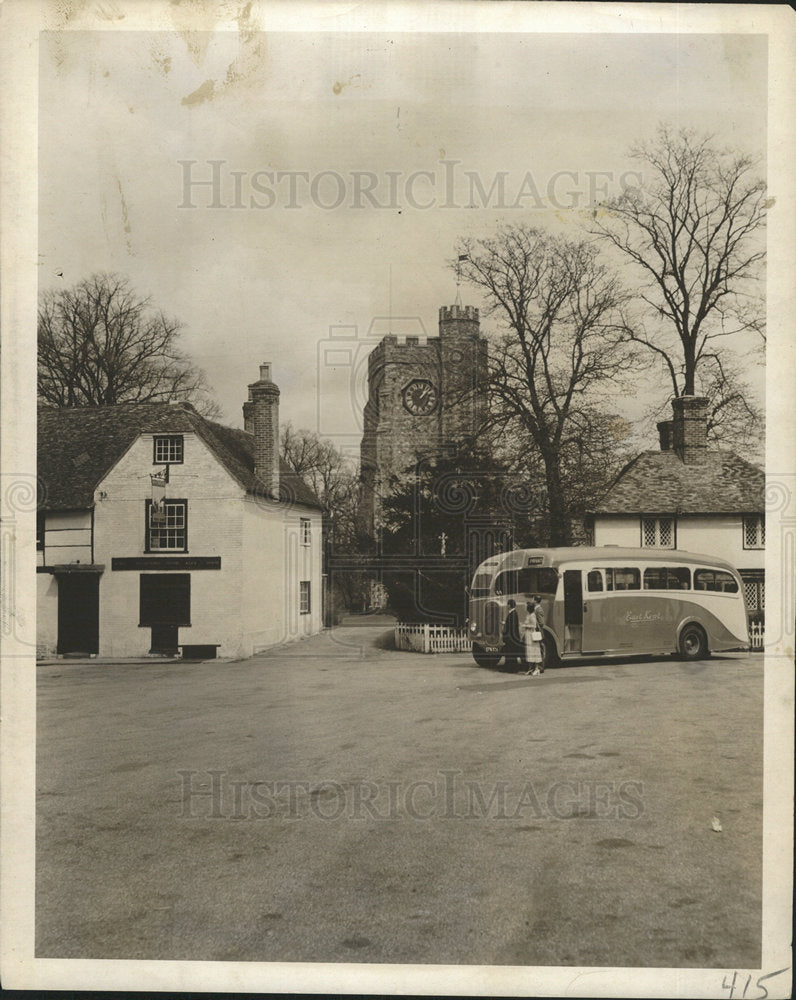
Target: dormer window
x,y
168,449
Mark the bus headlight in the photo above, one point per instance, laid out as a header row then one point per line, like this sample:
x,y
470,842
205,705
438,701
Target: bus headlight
x,y
473,628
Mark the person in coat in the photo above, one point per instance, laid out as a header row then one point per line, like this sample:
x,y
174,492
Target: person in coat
x,y
512,641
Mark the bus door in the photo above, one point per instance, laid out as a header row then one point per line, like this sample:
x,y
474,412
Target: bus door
x,y
573,611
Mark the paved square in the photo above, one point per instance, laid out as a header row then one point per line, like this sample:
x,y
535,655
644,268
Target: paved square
x,y
337,801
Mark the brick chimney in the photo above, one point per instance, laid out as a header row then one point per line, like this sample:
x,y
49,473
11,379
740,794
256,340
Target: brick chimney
x,y
690,428
261,418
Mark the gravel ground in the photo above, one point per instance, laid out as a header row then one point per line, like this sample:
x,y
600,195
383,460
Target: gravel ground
x,y
338,801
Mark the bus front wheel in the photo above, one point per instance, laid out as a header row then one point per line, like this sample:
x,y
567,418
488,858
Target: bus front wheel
x,y
484,659
693,643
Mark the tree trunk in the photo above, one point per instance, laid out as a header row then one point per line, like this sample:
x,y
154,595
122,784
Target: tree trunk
x,y
560,528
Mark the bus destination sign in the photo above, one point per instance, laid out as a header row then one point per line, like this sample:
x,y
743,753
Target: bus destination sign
x,y
535,560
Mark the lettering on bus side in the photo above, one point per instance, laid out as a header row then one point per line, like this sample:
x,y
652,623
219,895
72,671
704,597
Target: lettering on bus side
x,y
643,616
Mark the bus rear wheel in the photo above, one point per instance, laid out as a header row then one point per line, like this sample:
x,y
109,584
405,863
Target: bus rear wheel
x,y
484,659
693,643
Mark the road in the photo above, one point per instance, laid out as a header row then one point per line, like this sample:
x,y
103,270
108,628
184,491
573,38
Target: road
x,y
339,801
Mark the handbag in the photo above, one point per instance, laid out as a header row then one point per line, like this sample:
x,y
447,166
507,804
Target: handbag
x,y
536,635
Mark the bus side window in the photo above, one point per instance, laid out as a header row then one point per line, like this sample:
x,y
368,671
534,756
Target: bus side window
x,y
654,578
726,583
679,578
594,581
704,579
627,579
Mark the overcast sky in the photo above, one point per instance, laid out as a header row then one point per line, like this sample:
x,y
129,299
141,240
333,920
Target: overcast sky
x,y
394,132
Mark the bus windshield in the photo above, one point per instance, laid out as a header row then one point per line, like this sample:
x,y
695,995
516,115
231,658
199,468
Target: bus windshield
x,y
528,580
481,585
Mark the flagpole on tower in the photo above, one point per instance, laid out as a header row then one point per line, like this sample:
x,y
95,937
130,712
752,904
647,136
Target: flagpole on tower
x,y
462,257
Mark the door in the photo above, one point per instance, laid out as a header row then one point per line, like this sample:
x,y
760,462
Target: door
x,y
573,611
165,605
78,613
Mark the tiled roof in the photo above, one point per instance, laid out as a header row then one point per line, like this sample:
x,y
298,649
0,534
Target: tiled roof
x,y
659,482
77,447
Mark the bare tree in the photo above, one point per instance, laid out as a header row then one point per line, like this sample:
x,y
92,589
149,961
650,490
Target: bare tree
x,y
692,233
100,344
562,345
333,478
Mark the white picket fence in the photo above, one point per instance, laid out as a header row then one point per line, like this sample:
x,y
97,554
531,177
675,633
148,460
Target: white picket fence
x,y
432,639
444,639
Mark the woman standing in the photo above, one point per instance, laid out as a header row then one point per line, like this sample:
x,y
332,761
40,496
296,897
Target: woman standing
x,y
532,636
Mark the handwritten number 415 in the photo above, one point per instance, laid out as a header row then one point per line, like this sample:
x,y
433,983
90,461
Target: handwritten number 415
x,y
738,988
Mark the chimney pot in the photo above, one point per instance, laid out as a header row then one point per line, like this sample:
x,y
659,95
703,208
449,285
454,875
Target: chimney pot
x,y
665,434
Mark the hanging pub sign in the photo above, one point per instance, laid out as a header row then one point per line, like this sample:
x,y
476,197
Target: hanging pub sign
x,y
157,510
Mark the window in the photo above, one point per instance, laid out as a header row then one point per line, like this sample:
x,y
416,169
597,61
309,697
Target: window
x,y
667,578
754,592
304,597
167,526
754,532
481,585
165,599
594,581
168,449
306,531
628,578
715,579
528,580
657,532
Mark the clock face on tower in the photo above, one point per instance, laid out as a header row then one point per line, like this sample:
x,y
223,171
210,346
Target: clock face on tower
x,y
420,396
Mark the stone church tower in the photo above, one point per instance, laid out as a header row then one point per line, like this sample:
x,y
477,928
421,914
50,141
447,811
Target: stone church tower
x,y
425,399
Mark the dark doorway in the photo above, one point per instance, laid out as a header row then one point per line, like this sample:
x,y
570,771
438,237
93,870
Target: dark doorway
x,y
573,611
78,613
165,606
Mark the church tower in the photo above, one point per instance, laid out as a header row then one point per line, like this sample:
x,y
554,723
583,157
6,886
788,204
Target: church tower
x,y
426,398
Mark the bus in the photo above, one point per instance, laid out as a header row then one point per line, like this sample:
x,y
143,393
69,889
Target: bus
x,y
610,601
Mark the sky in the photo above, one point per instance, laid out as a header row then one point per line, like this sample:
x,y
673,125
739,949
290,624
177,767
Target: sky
x,y
346,166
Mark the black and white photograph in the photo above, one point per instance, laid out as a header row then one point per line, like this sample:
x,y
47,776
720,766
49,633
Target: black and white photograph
x,y
398,498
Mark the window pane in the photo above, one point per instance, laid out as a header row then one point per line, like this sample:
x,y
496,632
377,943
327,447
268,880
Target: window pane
x,y
678,578
726,583
627,579
168,532
481,584
750,529
665,524
704,579
534,580
655,578
649,531
595,580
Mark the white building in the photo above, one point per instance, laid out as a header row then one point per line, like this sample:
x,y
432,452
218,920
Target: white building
x,y
223,558
688,497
